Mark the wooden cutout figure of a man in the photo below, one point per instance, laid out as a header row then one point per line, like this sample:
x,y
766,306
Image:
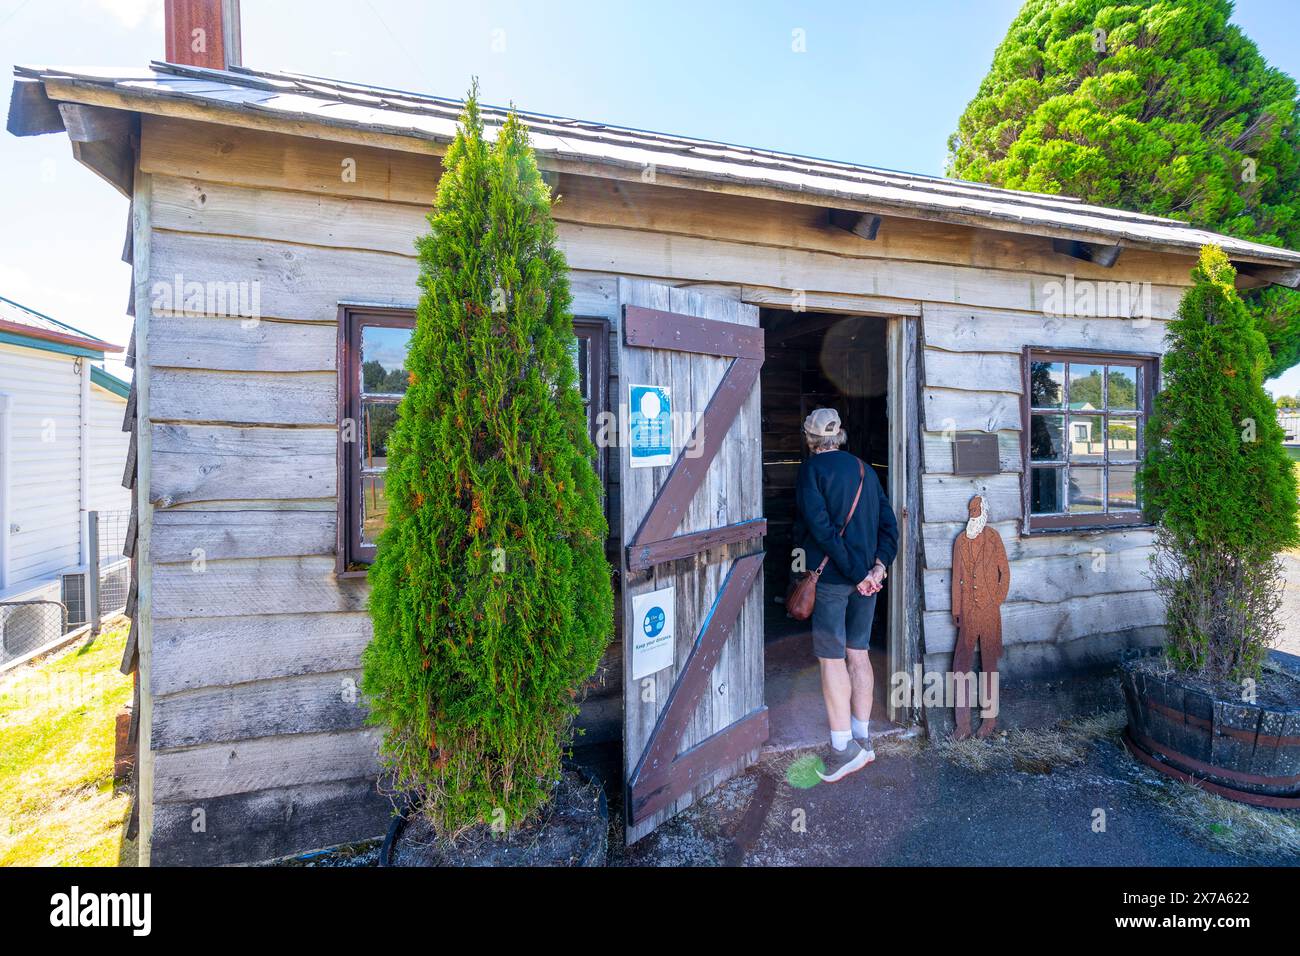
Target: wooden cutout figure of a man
x,y
981,578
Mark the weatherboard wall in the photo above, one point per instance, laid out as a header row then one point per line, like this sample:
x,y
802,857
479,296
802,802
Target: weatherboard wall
x,y
254,652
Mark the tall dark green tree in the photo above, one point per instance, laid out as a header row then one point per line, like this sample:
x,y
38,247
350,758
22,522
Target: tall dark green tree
x,y
1159,107
491,595
1218,482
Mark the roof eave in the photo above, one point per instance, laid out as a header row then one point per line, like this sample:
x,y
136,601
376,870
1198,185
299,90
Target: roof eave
x,y
67,88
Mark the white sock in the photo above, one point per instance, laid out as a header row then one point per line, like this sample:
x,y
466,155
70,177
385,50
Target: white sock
x,y
860,728
840,738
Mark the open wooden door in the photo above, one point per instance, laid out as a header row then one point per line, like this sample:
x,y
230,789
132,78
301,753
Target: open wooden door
x,y
692,533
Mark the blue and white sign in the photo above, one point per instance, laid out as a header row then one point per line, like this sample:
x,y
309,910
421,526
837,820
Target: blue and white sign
x,y
650,426
652,632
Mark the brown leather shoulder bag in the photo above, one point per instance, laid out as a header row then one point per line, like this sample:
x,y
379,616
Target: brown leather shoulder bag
x,y
803,586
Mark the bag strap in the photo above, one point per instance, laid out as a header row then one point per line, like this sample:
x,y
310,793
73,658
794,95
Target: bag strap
x,y
862,477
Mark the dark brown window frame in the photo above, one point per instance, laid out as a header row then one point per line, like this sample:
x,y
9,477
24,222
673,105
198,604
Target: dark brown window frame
x,y
1046,524
596,332
352,555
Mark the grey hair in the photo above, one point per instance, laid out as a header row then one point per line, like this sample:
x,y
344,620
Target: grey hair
x,y
818,443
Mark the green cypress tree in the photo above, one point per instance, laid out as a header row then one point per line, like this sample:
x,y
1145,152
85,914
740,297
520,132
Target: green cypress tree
x,y
491,595
1160,107
1218,482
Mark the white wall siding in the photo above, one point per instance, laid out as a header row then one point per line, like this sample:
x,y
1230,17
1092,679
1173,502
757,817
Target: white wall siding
x,y
45,463
108,447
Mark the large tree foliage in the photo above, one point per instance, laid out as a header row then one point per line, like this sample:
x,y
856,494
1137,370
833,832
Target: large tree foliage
x,y
1218,482
1159,107
491,594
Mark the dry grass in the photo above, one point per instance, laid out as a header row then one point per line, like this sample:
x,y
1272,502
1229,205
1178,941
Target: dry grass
x,y
1034,751
1236,828
58,805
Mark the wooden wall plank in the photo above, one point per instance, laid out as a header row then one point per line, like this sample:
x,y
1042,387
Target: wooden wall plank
x,y
254,586
948,409
940,536
248,398
268,823
985,330
313,703
1052,580
221,153
978,371
215,770
226,344
218,652
945,497
242,534
302,281
1031,622
212,462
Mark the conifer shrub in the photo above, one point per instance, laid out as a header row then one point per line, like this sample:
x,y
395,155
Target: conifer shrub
x,y
1218,482
1164,107
490,592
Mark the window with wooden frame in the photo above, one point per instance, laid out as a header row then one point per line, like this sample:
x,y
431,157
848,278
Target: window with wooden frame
x,y
1085,416
372,346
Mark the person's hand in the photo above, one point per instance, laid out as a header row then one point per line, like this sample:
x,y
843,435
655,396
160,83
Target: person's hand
x,y
867,586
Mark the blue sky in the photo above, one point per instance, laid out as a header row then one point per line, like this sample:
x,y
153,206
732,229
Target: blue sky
x,y
880,82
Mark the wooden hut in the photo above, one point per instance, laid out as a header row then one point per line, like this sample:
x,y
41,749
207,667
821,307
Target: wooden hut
x,y
271,235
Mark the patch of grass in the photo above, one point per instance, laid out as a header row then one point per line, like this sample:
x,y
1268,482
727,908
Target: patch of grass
x,y
900,745
1236,828
1034,751
58,806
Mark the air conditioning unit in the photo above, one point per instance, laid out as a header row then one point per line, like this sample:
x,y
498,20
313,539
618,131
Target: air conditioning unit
x,y
72,593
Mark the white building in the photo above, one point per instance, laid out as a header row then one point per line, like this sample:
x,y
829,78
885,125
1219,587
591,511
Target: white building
x,y
62,455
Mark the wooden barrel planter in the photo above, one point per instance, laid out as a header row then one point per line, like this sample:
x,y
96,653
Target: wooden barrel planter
x,y
1246,752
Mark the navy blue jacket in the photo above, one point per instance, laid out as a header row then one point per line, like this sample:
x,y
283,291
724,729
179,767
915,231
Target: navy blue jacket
x,y
823,493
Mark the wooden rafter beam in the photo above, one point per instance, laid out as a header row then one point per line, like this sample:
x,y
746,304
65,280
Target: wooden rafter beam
x,y
862,224
1252,276
1096,253
102,141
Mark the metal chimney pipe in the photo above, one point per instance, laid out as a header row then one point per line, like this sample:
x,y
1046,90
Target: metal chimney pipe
x,y
203,33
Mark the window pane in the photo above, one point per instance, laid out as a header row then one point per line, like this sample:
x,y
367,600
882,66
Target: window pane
x,y
1047,437
383,359
1122,387
374,508
1085,490
1046,495
1086,437
1121,494
377,422
1122,439
1046,384
1085,386
581,353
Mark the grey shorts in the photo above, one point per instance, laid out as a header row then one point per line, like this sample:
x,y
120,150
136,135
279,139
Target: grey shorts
x,y
841,618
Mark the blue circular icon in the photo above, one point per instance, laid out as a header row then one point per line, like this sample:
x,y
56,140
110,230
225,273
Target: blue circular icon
x,y
653,622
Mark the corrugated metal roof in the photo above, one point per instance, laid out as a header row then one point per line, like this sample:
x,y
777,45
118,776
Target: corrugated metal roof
x,y
19,318
293,96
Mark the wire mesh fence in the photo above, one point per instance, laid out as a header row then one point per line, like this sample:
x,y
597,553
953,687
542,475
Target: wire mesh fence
x,y
114,567
27,626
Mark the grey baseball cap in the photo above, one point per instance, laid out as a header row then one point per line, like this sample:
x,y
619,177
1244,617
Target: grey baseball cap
x,y
823,422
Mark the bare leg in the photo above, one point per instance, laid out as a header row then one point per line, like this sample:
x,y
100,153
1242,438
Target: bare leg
x,y
837,692
862,679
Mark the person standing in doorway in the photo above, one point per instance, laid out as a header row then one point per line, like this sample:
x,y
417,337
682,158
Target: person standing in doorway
x,y
846,523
